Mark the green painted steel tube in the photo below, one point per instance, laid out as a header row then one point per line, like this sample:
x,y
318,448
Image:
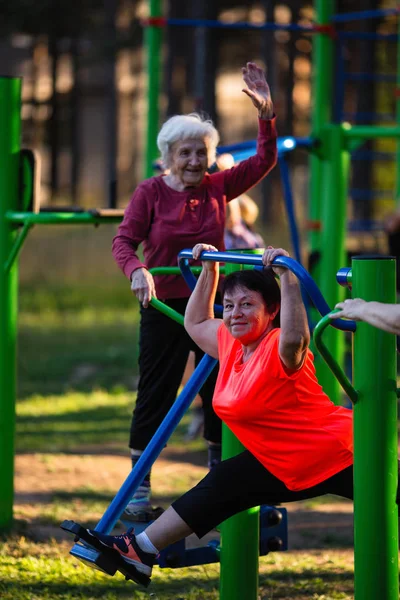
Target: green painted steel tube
x,y
60,218
375,440
167,310
153,36
10,130
17,246
239,534
330,361
333,235
368,132
173,270
323,69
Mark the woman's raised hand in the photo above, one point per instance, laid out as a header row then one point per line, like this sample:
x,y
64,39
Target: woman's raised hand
x,y
268,257
210,265
258,90
142,285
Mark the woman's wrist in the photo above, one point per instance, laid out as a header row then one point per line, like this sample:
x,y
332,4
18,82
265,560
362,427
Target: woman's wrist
x,y
266,111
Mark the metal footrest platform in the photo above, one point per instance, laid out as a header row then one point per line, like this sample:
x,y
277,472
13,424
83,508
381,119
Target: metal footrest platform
x,y
93,553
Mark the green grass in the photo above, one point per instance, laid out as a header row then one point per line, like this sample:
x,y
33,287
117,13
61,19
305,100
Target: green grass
x,y
77,422
76,338
48,574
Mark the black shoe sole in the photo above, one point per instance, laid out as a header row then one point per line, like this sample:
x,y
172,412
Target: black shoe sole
x,y
113,557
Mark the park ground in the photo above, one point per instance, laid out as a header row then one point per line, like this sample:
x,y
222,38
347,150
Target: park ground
x,y
76,389
77,480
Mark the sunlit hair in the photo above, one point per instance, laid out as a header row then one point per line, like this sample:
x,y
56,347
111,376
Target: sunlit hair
x,y
263,282
186,127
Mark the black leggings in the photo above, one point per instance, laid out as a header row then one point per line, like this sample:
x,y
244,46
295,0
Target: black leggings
x,y
164,350
242,482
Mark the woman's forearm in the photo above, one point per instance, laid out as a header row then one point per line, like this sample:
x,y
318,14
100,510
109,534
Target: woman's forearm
x,y
200,307
295,334
383,316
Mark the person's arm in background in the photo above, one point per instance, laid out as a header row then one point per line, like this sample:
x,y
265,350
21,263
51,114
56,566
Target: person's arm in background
x,y
295,335
199,315
380,315
249,172
131,232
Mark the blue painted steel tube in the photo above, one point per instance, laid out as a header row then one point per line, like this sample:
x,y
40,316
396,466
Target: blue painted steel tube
x,y
157,443
252,259
364,14
284,144
221,25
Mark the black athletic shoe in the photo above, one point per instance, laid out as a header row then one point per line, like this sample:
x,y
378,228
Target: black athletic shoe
x,y
125,544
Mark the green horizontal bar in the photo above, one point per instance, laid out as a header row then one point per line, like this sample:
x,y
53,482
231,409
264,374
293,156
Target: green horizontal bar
x,y
330,361
177,271
172,270
370,131
60,218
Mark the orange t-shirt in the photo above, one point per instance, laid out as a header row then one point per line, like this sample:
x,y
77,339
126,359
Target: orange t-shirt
x,y
285,420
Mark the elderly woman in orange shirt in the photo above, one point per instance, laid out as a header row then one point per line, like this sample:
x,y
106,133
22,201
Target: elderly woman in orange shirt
x,y
298,444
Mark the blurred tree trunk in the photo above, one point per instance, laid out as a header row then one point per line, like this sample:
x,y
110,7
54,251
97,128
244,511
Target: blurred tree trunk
x,y
75,109
53,124
110,8
205,61
177,43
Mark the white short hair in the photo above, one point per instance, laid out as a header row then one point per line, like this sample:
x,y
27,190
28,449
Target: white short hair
x,y
185,127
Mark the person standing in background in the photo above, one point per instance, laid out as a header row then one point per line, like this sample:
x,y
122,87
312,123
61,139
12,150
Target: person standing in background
x,y
166,214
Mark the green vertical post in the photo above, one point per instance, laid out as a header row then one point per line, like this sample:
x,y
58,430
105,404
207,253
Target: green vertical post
x,y
153,38
333,243
323,68
375,439
240,535
10,128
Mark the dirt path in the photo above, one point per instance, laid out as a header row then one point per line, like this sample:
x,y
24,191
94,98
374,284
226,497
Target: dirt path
x,y
42,479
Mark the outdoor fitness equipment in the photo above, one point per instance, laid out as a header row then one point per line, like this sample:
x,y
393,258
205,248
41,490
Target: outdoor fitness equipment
x,y
332,141
374,397
239,578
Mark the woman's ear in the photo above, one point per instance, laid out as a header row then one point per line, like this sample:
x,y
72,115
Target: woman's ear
x,y
273,310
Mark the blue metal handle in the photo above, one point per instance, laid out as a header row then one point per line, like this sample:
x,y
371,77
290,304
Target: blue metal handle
x,y
255,259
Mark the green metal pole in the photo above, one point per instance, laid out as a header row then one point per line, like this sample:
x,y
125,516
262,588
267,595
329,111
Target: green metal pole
x,y
322,109
153,48
239,534
375,440
367,132
333,236
10,129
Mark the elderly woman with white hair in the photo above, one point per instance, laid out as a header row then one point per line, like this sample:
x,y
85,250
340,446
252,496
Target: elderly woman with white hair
x,y
167,213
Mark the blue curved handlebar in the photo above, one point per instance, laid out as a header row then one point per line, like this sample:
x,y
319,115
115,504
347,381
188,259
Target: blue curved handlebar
x,y
256,259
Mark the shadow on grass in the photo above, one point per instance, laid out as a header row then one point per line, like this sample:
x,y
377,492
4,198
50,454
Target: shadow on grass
x,y
101,429
67,431
84,496
62,496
